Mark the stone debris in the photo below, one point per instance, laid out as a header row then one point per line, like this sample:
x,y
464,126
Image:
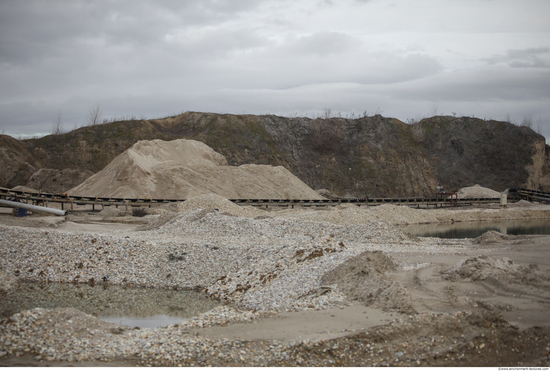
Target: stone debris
x,y
7,282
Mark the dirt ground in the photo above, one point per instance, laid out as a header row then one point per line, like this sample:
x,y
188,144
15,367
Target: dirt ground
x,y
486,309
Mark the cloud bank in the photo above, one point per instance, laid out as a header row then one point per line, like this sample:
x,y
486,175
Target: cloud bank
x,y
157,58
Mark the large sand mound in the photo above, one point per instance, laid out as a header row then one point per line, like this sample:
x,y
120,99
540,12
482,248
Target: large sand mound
x,y
182,169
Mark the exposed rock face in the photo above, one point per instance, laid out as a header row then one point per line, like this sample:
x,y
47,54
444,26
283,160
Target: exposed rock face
x,y
182,168
16,162
369,156
539,169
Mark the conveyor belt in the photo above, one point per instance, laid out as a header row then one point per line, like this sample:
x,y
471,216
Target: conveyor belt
x,y
68,202
530,194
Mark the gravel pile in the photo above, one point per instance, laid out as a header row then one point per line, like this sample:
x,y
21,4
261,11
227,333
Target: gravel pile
x,y
213,201
259,264
477,191
351,214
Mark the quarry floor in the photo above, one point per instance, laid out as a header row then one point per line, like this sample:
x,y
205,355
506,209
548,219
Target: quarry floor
x,y
502,320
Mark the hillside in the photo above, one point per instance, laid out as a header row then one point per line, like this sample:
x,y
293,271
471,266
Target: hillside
x,y
374,156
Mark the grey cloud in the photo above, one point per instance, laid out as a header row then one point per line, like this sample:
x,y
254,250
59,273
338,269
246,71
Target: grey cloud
x,y
323,43
157,58
523,58
217,42
31,29
359,66
505,84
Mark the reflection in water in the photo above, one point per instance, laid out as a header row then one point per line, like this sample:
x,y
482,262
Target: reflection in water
x,y
131,306
476,229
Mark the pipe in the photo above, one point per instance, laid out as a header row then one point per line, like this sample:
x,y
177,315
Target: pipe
x,y
544,199
21,205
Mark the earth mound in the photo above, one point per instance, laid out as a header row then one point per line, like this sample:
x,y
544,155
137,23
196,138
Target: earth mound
x,y
363,278
483,267
182,169
493,237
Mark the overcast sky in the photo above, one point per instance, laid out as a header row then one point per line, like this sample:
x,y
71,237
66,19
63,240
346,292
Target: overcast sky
x,y
152,59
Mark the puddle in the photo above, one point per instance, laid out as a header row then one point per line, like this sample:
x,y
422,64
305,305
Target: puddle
x,y
130,306
476,229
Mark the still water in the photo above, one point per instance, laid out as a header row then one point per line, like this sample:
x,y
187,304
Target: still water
x,y
476,229
130,306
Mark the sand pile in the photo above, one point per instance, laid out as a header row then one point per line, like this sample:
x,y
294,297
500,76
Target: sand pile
x,y
483,267
182,169
25,189
523,203
477,191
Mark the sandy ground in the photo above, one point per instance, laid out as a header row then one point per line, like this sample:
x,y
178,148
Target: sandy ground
x,y
297,326
522,300
520,303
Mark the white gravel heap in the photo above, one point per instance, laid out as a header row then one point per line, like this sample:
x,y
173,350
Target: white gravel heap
x,y
352,214
477,191
213,201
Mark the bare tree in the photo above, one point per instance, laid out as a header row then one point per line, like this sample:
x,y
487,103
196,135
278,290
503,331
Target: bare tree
x,y
327,114
435,109
527,121
57,126
94,116
508,118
